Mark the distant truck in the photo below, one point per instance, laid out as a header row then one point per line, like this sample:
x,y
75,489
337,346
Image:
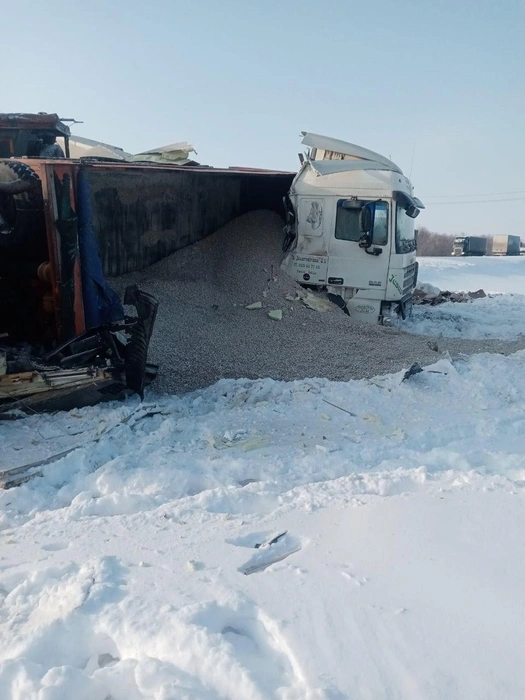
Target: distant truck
x,y
505,245
470,245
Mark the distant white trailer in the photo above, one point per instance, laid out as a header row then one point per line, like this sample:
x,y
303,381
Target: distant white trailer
x,y
506,245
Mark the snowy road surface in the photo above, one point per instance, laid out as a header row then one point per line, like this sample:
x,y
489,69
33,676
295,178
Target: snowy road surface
x,y
140,565
499,316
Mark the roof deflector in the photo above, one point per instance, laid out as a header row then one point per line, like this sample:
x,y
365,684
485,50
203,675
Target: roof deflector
x,y
330,167
349,149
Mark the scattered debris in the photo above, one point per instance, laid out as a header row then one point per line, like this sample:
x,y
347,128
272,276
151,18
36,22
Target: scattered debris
x,y
415,369
316,303
9,478
276,549
271,541
102,363
480,294
247,482
276,314
341,409
254,443
255,305
427,294
338,300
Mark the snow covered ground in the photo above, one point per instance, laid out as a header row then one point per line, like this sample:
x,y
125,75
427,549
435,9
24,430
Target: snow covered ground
x,y
501,315
306,540
504,275
131,568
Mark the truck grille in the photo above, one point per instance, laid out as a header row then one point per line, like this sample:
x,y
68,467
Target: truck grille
x,y
408,279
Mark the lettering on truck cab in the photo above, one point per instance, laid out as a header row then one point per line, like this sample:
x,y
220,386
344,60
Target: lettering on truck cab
x,y
396,284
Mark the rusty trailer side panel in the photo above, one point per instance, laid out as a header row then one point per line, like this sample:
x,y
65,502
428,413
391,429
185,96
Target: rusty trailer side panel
x,y
40,259
142,213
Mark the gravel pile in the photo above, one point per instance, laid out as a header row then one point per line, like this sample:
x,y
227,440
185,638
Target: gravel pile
x,y
204,331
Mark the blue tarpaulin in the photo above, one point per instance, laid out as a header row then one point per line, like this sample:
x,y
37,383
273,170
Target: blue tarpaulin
x,y
102,304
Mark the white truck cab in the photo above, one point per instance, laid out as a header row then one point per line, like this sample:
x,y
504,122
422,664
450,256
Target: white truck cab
x,y
351,230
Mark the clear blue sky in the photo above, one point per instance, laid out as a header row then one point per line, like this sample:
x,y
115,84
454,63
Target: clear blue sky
x,y
438,86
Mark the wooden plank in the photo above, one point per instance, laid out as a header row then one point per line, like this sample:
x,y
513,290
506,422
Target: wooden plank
x,y
29,383
25,383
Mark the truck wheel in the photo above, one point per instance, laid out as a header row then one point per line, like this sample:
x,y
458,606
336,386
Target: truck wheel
x,y
22,220
16,177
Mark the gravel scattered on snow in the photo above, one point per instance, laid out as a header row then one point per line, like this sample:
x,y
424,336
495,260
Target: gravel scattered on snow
x,y
204,332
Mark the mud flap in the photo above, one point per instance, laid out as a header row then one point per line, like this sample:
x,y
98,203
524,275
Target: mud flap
x,y
405,307
136,355
338,300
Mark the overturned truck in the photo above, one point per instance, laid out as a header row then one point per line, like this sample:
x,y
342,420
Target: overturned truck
x,y
68,226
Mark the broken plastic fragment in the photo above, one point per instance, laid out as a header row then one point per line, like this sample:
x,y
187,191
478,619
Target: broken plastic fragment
x,y
276,314
255,305
316,303
253,443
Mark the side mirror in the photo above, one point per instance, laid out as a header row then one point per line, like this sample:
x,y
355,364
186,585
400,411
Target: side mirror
x,y
365,219
412,211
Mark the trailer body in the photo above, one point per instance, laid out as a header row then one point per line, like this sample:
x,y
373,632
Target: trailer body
x,y
506,245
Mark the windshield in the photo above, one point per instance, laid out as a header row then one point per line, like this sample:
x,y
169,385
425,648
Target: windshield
x,y
405,236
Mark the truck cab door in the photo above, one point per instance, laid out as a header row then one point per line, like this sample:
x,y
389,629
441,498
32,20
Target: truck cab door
x,y
349,264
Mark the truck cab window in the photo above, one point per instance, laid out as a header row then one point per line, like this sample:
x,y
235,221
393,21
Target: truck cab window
x,y
405,234
380,230
347,221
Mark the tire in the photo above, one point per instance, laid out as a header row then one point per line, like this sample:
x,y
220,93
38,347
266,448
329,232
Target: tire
x,y
16,177
22,220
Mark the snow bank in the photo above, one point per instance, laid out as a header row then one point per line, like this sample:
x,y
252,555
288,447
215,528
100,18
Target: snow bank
x,y
140,566
500,316
493,274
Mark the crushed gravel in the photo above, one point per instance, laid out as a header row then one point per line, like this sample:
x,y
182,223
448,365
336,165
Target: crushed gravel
x,y
204,331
